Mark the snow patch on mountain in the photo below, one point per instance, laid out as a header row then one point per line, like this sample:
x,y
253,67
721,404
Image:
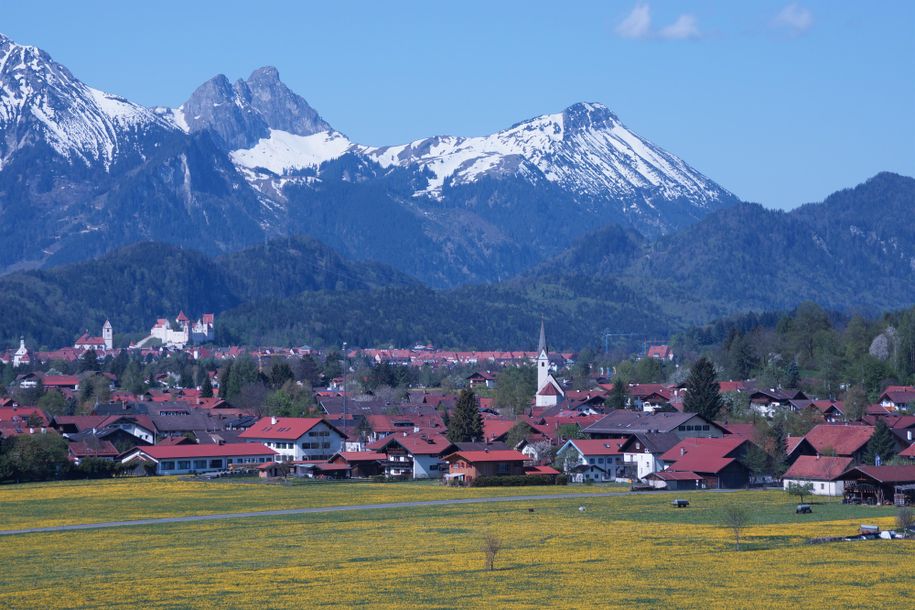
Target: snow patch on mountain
x,y
281,151
584,149
39,97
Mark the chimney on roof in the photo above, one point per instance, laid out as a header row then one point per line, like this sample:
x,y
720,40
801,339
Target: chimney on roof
x,y
273,420
682,451
485,449
908,435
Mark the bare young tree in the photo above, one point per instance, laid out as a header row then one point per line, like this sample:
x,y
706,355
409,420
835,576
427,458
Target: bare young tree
x,y
492,544
736,518
905,518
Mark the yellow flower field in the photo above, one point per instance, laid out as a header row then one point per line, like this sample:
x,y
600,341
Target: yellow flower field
x,y
62,503
619,551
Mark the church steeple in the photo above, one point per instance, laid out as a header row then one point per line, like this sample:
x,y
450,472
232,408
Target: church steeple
x,y
541,347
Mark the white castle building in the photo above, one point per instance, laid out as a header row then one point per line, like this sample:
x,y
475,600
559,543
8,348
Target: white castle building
x,y
183,332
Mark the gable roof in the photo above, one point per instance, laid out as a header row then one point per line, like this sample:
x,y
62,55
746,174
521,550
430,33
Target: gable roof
x,y
882,474
818,468
844,440
284,428
503,455
359,456
651,442
600,446
177,452
414,443
624,421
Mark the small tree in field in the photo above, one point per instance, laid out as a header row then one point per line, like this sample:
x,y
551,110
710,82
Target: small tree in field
x,y
800,490
492,544
736,518
905,518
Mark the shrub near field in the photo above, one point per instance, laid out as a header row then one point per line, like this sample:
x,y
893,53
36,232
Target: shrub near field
x,y
619,551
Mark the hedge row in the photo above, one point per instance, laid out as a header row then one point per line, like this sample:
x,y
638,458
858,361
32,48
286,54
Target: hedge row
x,y
520,481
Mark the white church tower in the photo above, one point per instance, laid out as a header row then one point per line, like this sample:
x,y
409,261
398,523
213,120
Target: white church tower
x,y
549,392
108,336
543,359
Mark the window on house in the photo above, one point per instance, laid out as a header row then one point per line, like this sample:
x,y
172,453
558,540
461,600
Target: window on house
x,y
167,465
591,461
201,464
184,464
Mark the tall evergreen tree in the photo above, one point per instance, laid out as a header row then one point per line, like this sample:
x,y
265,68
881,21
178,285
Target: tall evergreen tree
x,y
466,423
880,445
206,390
619,395
89,361
792,375
703,394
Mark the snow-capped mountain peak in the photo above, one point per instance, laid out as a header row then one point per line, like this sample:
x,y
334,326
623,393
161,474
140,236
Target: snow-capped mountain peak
x,y
42,102
584,149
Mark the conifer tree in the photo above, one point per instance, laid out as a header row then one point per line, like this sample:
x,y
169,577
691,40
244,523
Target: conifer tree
x,y
466,423
792,376
703,394
206,390
880,445
619,395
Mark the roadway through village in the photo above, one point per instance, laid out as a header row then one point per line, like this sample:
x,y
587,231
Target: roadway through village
x,y
306,511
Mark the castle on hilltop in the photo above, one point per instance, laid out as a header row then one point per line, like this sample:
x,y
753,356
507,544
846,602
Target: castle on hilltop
x,y
183,332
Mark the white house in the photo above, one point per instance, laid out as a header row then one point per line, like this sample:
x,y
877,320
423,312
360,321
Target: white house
x,y
296,438
186,459
642,452
821,471
592,459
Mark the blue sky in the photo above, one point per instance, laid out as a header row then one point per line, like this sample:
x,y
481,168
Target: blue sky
x,y
781,102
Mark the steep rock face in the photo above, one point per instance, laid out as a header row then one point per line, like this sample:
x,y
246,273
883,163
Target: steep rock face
x,y
83,171
242,114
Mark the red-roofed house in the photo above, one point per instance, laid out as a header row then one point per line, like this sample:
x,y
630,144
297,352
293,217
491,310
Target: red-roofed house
x,y
185,459
417,455
830,439
361,463
296,438
898,397
465,466
660,352
482,379
716,460
91,447
822,472
592,459
880,483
